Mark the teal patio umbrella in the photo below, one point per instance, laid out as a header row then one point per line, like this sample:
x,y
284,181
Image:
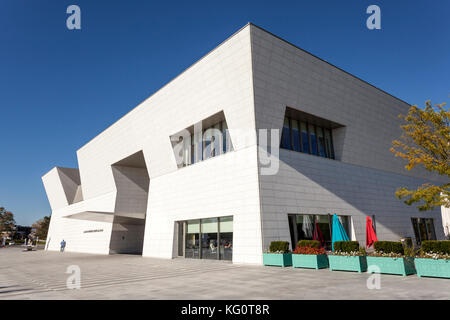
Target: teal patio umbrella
x,y
338,232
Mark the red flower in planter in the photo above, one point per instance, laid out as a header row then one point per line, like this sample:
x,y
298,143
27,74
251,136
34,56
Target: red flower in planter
x,y
309,250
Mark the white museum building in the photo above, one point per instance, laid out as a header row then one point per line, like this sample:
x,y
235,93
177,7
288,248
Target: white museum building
x,y
186,173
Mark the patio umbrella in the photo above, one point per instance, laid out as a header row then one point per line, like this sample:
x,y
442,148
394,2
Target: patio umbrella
x,y
338,232
371,236
318,235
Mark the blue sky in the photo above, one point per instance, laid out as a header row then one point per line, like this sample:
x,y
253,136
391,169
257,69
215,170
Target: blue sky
x,y
60,88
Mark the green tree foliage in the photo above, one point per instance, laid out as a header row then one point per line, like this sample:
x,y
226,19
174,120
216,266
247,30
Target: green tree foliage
x,y
41,227
426,141
7,221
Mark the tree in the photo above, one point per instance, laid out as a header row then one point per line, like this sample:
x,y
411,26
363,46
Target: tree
x,y
426,141
7,221
41,227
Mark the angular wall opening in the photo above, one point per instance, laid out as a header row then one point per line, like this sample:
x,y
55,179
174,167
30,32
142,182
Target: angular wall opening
x,y
304,132
206,139
132,184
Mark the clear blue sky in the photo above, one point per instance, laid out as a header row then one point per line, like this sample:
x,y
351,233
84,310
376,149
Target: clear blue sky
x,y
60,88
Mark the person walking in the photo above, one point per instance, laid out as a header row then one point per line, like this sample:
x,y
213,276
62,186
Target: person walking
x,y
63,245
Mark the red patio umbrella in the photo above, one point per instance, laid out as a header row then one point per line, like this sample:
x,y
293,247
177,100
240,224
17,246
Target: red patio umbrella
x,y
371,237
317,235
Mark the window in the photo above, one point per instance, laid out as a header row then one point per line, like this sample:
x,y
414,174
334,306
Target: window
x,y
210,142
305,139
423,229
209,232
302,136
313,139
192,239
210,238
286,135
295,136
321,140
303,227
328,144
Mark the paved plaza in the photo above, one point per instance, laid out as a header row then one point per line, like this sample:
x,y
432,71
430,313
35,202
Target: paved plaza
x,y
42,275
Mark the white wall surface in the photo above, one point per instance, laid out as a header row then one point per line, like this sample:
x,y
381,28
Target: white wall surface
x,y
364,178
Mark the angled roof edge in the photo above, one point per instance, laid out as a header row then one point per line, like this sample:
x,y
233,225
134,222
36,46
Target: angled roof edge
x,y
169,82
313,55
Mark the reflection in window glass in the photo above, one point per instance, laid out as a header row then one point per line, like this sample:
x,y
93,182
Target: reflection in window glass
x,y
207,137
308,138
286,135
302,227
191,249
313,139
214,141
423,229
430,229
329,146
209,230
186,150
210,238
295,136
226,238
305,139
321,140
217,140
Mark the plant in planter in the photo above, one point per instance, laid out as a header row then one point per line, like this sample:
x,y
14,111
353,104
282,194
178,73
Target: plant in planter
x,y
390,257
309,254
433,259
347,256
278,254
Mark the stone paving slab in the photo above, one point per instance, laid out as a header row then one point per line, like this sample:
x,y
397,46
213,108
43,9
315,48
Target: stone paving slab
x,y
42,275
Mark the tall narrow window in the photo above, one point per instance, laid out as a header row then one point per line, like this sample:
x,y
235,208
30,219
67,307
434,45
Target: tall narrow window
x,y
286,135
313,139
430,229
217,141
423,229
192,242
198,146
295,135
186,151
225,139
226,238
305,138
328,144
209,239
207,137
321,140
192,149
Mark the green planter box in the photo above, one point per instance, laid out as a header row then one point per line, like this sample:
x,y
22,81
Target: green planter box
x,y
402,266
312,261
277,259
348,263
439,268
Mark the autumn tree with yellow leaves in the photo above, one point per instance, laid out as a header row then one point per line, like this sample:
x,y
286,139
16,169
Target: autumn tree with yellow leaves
x,y
425,141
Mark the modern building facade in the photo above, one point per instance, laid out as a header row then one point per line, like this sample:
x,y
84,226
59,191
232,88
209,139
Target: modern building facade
x,y
186,173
